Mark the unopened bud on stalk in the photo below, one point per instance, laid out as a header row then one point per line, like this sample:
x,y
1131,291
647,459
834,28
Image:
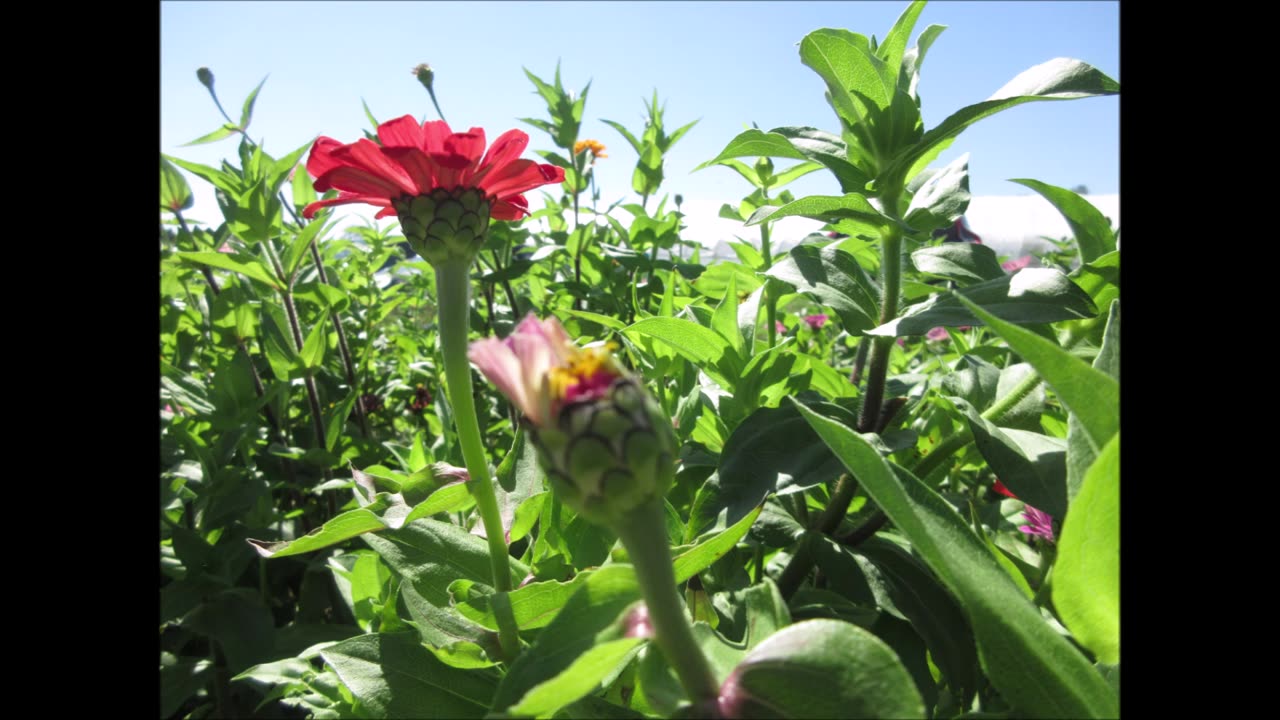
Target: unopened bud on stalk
x,y
604,442
425,75
205,77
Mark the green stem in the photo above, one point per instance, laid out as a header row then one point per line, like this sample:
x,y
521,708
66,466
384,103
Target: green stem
x,y
453,289
878,367
770,301
643,533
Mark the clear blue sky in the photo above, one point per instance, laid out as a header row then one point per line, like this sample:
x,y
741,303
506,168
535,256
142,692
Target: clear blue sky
x,y
728,63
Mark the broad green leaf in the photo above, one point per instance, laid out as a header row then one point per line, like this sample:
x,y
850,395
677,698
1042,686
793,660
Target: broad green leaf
x,y
337,419
392,675
834,278
1027,412
693,342
1058,79
829,151
1032,465
1081,451
1032,296
755,143
180,679
1092,395
975,380
533,606
1090,227
588,673
773,451
247,266
713,281
450,498
725,318
854,75
943,197
458,642
825,208
592,616
606,320
175,193
432,554
821,669
1086,579
239,622
1100,278
1032,666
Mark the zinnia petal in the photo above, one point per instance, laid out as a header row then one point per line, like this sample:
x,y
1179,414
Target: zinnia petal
x,y
321,159
401,132
519,176
499,363
513,208
365,154
346,199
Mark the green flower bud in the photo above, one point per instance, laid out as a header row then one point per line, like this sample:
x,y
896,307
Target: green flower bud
x,y
607,456
425,75
205,77
445,224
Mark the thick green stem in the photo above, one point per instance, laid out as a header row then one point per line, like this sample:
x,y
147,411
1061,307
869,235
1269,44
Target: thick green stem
x,y
878,367
643,532
770,302
453,289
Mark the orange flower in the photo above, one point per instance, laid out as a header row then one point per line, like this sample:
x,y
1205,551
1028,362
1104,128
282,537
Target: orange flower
x,y
596,147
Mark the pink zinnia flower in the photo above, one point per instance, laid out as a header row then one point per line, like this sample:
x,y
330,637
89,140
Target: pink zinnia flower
x,y
1018,264
1038,521
816,321
777,325
415,159
540,369
937,334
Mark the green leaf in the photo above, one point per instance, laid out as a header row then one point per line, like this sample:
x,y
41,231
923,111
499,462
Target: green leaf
x,y
1031,665
725,318
592,616
312,353
635,144
701,556
457,641
756,143
1081,452
247,266
1032,465
853,75
1086,579
342,527
1032,296
834,278
373,122
821,669
227,130
175,193
432,554
1092,231
301,244
828,150
895,41
1027,412
825,208
693,342
1092,395
1058,79
965,263
608,321
773,450
588,673
392,675
337,419
246,113
533,606
943,197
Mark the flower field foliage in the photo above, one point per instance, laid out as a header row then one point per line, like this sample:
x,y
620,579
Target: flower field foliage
x,y
559,466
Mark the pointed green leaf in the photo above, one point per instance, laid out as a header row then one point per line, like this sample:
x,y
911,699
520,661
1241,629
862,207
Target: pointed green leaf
x,y
825,208
313,348
392,675
246,113
965,263
1092,395
942,199
725,318
227,130
1059,79
1090,227
895,42
1033,667
248,266
834,278
1032,296
755,143
175,193
1086,580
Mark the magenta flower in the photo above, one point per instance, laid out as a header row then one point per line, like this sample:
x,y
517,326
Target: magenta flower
x,y
777,325
816,321
937,334
1018,264
1038,523
540,369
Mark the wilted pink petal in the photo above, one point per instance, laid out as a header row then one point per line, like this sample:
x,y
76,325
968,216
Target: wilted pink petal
x,y
637,623
449,473
777,325
226,248
937,334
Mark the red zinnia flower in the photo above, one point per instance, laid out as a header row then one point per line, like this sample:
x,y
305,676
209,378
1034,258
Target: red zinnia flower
x,y
414,160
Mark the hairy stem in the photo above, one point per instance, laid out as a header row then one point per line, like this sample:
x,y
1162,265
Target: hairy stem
x,y
643,533
453,288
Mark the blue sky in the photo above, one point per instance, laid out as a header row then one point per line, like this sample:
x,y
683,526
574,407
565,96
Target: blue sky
x,y
728,63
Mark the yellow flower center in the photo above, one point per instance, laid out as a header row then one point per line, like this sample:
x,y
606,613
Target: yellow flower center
x,y
585,366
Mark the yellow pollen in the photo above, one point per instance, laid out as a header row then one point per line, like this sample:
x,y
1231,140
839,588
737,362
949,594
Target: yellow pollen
x,y
582,365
